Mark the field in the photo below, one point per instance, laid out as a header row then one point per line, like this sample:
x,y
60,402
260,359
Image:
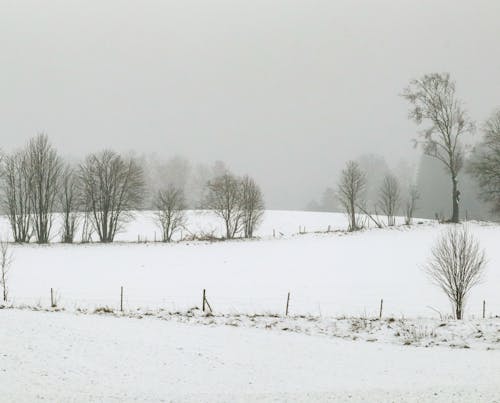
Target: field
x,y
332,346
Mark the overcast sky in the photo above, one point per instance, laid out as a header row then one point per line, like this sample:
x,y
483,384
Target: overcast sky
x,y
286,91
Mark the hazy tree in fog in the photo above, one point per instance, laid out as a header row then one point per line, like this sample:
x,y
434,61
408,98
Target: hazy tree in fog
x,y
111,187
350,192
485,163
375,168
170,208
224,199
68,199
16,181
45,168
251,205
456,265
6,259
433,101
410,204
389,198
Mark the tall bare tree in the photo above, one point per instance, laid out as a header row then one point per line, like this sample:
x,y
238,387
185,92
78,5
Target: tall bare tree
x,y
170,215
6,259
16,195
45,168
485,162
111,188
411,204
224,198
252,205
350,192
456,265
69,199
389,198
433,100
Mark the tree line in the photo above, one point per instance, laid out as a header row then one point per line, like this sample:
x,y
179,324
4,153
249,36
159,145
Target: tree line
x,y
100,194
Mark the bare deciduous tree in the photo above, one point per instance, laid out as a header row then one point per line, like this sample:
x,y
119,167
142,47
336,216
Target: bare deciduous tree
x,y
411,204
433,100
45,168
16,195
252,206
111,187
6,259
224,198
350,192
170,216
485,163
456,265
69,203
389,198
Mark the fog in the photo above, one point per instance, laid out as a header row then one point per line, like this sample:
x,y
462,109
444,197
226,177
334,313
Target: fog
x,y
286,91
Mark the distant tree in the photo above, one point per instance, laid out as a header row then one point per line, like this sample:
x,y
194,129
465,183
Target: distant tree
x,y
389,198
170,214
375,168
485,162
111,188
224,198
6,259
45,167
68,199
350,192
433,100
251,205
16,178
411,204
456,265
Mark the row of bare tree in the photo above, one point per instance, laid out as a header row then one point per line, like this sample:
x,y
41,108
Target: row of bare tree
x,y
100,195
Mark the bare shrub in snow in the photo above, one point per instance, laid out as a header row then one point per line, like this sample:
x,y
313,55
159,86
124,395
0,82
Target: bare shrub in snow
x,y
111,187
389,198
170,216
6,259
16,195
411,204
45,168
252,206
350,192
456,265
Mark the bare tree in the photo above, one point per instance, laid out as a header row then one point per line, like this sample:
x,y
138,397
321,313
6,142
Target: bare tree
x,y
389,198
69,203
456,265
111,187
433,100
252,206
16,195
45,168
170,216
6,259
224,198
485,162
350,192
411,204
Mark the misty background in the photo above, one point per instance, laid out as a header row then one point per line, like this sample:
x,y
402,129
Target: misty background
x,y
286,91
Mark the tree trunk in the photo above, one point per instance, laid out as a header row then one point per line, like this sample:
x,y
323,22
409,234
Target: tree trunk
x,y
455,211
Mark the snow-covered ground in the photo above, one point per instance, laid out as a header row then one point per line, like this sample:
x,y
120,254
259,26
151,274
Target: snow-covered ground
x,y
88,358
326,273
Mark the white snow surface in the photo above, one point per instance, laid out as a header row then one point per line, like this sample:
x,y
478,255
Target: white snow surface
x,y
327,274
49,356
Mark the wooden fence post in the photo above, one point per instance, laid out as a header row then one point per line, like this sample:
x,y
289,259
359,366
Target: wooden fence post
x,y
121,299
381,308
484,309
204,299
52,298
287,304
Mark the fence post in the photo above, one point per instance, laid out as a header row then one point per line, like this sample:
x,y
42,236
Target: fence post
x,y
52,298
484,309
121,299
204,299
381,308
287,303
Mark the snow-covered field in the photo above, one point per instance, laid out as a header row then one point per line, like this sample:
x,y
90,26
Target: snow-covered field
x,y
332,347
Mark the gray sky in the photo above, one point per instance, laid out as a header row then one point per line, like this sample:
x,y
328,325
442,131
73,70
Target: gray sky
x,y
286,91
